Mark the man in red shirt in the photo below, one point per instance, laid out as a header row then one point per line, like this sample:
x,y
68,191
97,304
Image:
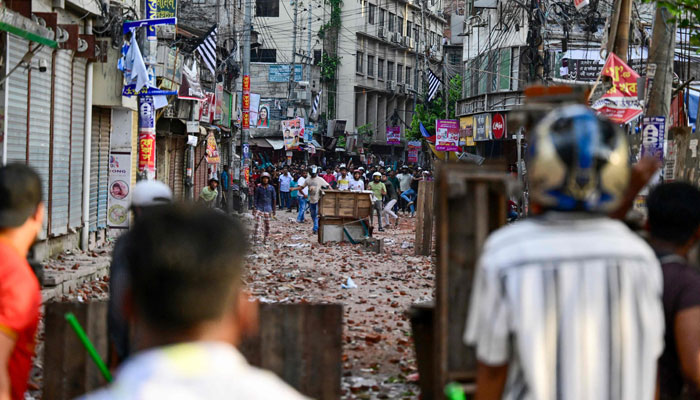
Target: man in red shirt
x,y
21,216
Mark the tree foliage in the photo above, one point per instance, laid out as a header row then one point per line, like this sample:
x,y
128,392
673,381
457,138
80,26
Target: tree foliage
x,y
428,112
687,14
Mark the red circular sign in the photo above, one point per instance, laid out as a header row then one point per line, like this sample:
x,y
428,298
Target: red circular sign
x,y
498,126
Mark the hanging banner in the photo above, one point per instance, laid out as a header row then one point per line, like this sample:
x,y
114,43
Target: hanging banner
x,y
212,151
147,137
579,4
302,129
263,116
190,89
393,135
219,101
620,103
413,150
245,103
254,107
290,131
447,135
653,135
206,109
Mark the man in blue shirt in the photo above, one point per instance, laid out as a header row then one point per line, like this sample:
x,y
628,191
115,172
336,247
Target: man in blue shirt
x,y
264,204
285,180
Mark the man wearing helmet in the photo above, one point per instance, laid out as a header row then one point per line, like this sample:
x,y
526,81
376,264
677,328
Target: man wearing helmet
x,y
264,206
378,191
567,304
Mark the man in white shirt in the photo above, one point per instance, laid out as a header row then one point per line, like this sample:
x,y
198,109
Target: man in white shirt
x,y
343,179
356,183
404,184
303,196
189,324
285,181
567,304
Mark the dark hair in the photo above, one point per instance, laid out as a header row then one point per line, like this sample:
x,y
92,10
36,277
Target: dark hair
x,y
185,264
674,212
20,194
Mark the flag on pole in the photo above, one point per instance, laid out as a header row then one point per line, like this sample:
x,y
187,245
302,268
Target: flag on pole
x,y
207,49
317,101
433,84
135,70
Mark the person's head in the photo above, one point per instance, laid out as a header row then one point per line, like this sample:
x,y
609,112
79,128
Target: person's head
x,y
579,162
295,177
377,176
674,215
357,174
313,170
213,183
304,173
226,168
344,171
384,178
148,194
265,178
328,171
185,265
21,207
285,171
392,173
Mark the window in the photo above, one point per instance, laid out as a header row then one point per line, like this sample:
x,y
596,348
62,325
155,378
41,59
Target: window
x,y
483,75
370,65
267,8
263,55
380,69
390,71
391,22
382,16
399,73
317,57
416,35
494,61
359,59
504,70
399,26
466,82
454,58
515,62
372,11
409,28
408,76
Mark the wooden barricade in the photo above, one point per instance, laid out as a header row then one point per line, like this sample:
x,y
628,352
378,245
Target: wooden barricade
x,y
471,203
301,343
342,214
425,209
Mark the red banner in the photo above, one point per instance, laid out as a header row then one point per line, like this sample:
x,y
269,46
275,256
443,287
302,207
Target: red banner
x,y
147,150
245,103
619,103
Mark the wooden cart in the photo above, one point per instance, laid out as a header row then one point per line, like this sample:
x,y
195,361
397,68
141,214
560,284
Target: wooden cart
x,y
344,216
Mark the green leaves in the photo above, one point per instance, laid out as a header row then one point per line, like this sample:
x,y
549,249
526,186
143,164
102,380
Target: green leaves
x,y
428,113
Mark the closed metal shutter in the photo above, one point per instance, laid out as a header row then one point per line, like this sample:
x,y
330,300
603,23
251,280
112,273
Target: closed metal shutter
x,y
17,85
200,168
99,166
61,142
177,164
77,143
40,124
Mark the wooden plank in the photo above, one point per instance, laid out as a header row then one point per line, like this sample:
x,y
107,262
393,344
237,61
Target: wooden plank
x,y
470,204
424,219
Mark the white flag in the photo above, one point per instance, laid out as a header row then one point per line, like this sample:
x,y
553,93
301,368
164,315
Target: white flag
x,y
136,71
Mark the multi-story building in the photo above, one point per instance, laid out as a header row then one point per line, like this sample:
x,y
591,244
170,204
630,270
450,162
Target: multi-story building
x,y
386,47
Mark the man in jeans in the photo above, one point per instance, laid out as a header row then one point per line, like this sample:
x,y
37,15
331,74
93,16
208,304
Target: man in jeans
x,y
303,195
379,191
264,206
285,180
314,184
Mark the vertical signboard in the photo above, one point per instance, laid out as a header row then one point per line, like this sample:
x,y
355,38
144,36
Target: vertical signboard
x,y
147,137
653,135
393,135
245,121
119,178
447,135
481,125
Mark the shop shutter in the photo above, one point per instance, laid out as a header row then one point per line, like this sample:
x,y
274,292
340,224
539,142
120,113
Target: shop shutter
x,y
40,124
99,166
177,165
77,141
200,168
17,86
61,142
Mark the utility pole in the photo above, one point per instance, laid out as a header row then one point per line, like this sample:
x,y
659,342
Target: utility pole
x,y
245,103
308,49
147,111
663,44
290,85
621,42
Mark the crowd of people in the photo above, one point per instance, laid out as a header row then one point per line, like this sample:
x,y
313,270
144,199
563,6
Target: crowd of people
x,y
569,303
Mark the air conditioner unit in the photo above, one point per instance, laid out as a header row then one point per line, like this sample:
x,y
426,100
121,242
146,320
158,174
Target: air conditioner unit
x,y
391,86
401,88
407,41
301,95
409,88
411,43
381,32
402,40
395,37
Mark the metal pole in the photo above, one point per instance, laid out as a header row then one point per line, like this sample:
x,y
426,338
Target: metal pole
x,y
245,121
621,43
189,168
308,50
290,85
87,149
147,111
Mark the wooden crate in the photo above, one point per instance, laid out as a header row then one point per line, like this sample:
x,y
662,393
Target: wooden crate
x,y
471,203
345,204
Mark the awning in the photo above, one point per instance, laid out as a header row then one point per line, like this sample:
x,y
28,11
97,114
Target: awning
x,y
260,143
15,23
277,144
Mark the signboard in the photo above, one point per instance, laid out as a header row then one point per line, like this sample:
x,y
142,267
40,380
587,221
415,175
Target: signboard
x,y
147,137
280,73
212,150
192,126
245,102
263,116
466,131
620,103
119,184
246,151
447,135
290,131
190,89
206,110
393,135
166,8
218,101
580,4
480,128
653,135
130,90
414,147
498,126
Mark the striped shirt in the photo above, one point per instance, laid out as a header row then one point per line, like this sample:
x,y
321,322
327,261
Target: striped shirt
x,y
572,306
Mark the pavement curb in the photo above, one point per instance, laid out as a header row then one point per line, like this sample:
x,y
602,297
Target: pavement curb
x,y
60,283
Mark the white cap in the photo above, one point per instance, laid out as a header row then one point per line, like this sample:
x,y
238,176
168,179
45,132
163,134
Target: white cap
x,y
150,193
379,174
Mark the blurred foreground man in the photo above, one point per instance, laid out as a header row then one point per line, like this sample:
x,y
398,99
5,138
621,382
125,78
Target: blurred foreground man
x,y
567,304
21,216
189,311
674,228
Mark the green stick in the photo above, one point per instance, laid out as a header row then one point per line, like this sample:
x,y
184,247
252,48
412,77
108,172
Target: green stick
x,y
88,346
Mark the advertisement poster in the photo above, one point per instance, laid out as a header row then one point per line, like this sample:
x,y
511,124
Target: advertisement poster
x,y
413,150
254,108
290,131
119,184
212,151
302,129
263,116
480,127
206,109
219,101
393,135
466,131
190,89
147,150
619,103
498,126
447,135
308,133
245,102
653,135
